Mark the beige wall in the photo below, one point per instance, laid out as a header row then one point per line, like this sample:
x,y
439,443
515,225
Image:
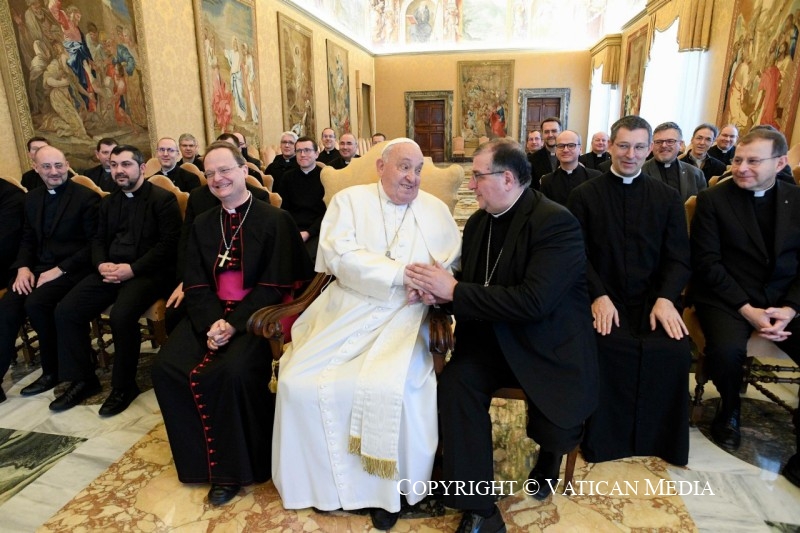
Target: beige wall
x,y
396,75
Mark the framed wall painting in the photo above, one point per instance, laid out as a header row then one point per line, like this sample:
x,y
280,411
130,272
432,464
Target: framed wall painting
x,y
761,72
75,74
338,88
635,62
229,67
485,91
297,77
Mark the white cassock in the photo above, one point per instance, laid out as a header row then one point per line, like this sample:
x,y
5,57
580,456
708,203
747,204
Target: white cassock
x,y
360,331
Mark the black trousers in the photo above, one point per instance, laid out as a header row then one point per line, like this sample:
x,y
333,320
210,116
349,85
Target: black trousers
x,y
464,395
39,306
726,349
86,301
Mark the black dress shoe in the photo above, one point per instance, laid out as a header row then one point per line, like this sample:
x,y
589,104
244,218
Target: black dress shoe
x,y
792,470
725,431
222,494
118,401
44,382
544,474
75,394
383,519
474,523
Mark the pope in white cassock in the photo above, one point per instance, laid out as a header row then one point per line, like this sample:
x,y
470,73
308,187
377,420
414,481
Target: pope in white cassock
x,y
356,406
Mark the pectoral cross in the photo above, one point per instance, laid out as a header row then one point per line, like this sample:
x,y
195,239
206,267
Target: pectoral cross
x,y
223,258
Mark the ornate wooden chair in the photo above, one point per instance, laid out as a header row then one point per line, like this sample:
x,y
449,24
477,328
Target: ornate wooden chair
x,y
151,167
191,167
458,149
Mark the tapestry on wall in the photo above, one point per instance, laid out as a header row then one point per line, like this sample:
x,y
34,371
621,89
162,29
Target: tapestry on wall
x,y
226,43
338,88
297,77
635,63
761,74
484,89
74,74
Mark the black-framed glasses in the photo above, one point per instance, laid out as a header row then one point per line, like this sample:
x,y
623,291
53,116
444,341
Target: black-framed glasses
x,y
666,142
567,146
224,172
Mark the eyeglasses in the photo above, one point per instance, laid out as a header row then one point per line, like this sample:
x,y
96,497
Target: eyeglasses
x,y
666,142
302,151
567,146
166,150
752,162
476,175
223,172
47,166
287,142
638,148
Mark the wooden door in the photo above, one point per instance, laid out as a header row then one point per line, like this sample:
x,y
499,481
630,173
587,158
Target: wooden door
x,y
429,128
539,109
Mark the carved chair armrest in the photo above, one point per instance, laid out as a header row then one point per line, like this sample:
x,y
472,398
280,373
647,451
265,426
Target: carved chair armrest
x,y
266,322
441,337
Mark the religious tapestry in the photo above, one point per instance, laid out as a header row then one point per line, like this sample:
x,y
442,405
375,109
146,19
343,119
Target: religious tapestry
x,y
297,77
338,88
228,52
74,74
634,72
761,71
484,92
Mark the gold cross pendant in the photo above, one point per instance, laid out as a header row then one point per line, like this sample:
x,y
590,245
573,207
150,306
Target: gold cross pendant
x,y
223,258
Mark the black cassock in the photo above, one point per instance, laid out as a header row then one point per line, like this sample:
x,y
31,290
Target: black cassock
x,y
638,250
217,406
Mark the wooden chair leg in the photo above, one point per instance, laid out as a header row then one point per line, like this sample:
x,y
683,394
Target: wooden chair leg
x,y
27,349
569,469
102,354
159,329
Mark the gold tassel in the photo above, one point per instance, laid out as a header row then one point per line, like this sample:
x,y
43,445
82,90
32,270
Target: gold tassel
x,y
273,381
354,446
383,468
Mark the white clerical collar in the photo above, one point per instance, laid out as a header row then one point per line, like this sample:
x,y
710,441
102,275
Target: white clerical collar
x,y
165,172
51,191
128,194
568,171
667,165
626,180
497,215
760,194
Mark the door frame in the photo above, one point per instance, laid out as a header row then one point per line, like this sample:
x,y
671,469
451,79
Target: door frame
x,y
412,96
522,100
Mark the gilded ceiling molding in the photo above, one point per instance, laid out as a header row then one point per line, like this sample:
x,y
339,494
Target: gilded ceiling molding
x,y
607,53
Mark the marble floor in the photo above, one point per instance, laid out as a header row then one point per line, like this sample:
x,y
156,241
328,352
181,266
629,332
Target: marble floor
x,y
77,472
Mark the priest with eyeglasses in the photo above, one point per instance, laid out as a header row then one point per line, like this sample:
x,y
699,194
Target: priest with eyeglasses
x,y
211,377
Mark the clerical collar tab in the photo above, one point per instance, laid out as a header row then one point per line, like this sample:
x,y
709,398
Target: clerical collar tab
x,y
627,180
51,191
759,194
667,165
129,194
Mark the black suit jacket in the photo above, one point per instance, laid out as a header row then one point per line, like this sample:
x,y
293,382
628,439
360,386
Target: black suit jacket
x,y
101,178
12,213
730,260
540,165
539,308
691,179
183,179
157,227
712,167
593,161
69,240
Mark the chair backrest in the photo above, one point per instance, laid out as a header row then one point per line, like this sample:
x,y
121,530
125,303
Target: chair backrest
x,y
689,207
796,174
440,182
274,198
15,182
269,181
267,155
483,139
89,184
191,167
151,167
794,155
165,183
458,145
254,167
